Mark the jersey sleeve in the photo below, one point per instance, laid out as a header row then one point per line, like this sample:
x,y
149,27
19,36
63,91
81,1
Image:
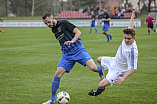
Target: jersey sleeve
x,y
133,59
69,26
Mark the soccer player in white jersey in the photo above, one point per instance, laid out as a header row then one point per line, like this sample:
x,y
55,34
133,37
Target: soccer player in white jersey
x,y
123,64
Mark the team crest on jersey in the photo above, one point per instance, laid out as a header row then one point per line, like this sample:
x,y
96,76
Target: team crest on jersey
x,y
59,29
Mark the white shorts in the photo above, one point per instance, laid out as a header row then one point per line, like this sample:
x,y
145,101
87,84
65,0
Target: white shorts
x,y
108,64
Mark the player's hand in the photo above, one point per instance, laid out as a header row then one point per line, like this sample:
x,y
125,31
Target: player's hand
x,y
136,10
68,42
119,80
101,22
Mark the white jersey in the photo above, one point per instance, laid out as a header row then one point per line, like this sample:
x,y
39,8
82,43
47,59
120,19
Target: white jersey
x,y
126,57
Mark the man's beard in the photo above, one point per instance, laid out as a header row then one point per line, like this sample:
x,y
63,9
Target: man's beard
x,y
53,24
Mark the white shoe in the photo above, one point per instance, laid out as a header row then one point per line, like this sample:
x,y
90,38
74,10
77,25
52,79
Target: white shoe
x,y
49,102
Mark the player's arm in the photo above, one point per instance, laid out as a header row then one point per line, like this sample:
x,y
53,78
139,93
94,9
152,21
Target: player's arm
x,y
131,23
102,20
93,19
119,80
77,33
109,19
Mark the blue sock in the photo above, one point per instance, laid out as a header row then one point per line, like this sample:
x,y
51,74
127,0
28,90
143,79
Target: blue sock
x,y
99,91
109,34
108,37
90,30
54,87
99,70
96,30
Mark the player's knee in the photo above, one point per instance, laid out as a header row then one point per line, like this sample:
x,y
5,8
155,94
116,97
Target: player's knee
x,y
99,60
93,67
57,74
104,32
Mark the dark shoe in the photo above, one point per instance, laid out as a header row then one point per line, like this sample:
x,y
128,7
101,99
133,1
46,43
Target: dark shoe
x,y
92,93
111,37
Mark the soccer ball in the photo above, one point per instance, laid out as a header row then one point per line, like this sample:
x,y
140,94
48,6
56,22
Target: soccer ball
x,y
63,97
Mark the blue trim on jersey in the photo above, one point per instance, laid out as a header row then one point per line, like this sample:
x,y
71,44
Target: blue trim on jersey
x,y
132,58
121,49
66,49
107,23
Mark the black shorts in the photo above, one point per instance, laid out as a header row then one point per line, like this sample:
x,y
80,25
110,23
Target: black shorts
x,y
150,26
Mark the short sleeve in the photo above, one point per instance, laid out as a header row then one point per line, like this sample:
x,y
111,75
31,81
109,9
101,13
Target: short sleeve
x,y
69,25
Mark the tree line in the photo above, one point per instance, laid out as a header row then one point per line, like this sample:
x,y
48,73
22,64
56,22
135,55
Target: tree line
x,y
20,8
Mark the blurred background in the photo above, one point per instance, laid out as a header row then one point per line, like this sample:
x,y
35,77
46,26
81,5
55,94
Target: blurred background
x,y
74,9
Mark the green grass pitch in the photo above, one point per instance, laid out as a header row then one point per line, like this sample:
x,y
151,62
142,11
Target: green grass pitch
x,y
29,57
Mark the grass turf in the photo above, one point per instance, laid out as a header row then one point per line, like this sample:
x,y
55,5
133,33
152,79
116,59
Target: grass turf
x,y
29,57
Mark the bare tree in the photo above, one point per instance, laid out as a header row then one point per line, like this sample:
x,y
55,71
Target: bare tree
x,y
36,4
6,6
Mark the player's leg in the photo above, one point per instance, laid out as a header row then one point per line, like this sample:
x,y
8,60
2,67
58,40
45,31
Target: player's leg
x,y
63,66
106,63
90,30
148,29
99,60
55,84
101,88
95,28
96,68
107,35
96,31
105,31
109,80
152,27
87,60
91,27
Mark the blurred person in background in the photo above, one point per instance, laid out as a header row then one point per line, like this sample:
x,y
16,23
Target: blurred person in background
x,y
93,18
106,20
149,21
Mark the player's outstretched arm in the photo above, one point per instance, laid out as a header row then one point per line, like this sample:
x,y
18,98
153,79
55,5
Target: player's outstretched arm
x,y
131,23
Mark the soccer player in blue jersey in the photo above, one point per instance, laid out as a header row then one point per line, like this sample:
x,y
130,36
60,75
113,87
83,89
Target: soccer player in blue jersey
x,y
106,19
72,48
93,22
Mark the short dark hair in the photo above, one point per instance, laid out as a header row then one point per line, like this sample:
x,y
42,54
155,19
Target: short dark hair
x,y
130,31
46,14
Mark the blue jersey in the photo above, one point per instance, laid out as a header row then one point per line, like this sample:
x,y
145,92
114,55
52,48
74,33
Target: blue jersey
x,y
93,17
64,32
106,16
93,22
